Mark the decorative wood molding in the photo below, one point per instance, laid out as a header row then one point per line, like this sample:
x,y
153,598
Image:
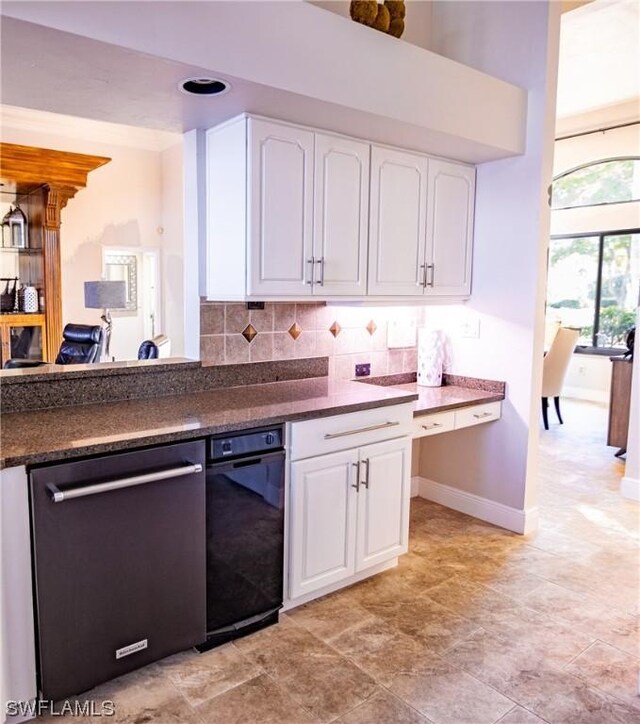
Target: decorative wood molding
x,y
31,165
60,174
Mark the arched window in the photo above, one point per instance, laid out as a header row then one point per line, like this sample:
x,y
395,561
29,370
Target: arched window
x,y
609,181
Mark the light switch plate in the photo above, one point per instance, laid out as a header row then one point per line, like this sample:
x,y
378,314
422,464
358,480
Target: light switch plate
x,y
401,333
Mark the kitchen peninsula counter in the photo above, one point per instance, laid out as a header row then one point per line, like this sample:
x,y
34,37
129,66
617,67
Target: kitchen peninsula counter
x,y
48,435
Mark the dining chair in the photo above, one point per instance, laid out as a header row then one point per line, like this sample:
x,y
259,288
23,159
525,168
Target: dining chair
x,y
554,370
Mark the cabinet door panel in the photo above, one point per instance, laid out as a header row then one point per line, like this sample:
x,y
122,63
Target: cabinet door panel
x,y
383,505
450,227
281,206
397,223
341,212
323,521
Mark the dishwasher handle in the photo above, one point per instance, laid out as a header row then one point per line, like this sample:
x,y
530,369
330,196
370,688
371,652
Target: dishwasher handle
x,y
59,496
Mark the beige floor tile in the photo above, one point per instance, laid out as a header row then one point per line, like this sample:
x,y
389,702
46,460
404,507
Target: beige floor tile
x,y
447,695
562,698
381,650
199,677
476,602
520,715
611,670
588,614
492,658
144,695
432,624
257,701
315,675
330,616
383,708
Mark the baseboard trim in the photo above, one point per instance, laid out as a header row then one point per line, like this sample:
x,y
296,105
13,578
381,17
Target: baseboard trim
x,y
585,393
629,488
518,521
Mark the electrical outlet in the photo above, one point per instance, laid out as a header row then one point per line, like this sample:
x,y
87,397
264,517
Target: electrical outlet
x,y
255,305
470,328
363,370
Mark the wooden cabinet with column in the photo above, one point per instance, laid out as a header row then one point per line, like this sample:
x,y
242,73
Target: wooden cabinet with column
x,y
41,181
620,403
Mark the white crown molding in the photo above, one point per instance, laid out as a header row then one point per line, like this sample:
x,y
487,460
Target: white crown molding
x,y
514,519
73,127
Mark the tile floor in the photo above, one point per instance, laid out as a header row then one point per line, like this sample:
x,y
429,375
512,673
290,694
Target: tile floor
x,y
475,625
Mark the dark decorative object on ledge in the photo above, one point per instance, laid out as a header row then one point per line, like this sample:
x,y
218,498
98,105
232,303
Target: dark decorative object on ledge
x,y
387,17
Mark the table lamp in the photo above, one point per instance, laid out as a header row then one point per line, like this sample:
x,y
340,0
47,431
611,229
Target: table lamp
x,y
105,295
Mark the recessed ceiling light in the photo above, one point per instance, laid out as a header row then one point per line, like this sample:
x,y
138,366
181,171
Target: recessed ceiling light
x,y
202,86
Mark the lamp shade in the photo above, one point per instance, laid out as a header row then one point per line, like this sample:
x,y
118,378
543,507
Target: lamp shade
x,y
105,295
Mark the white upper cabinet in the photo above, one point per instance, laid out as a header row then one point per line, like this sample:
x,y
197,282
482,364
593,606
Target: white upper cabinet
x,y
397,223
341,216
281,209
293,213
450,206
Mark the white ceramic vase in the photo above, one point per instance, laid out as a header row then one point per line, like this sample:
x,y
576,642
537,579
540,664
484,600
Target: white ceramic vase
x,y
30,299
430,357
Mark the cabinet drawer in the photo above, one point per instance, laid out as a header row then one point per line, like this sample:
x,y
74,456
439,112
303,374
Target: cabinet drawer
x,y
433,424
477,414
341,432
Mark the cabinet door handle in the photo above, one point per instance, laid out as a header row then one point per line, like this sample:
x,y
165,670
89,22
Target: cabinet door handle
x,y
482,415
59,496
312,262
423,274
382,426
321,262
429,277
365,482
432,426
357,485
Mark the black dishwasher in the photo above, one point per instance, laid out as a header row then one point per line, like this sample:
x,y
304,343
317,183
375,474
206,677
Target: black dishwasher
x,y
245,532
119,563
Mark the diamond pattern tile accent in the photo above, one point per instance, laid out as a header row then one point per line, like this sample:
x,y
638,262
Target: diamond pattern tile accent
x,y
335,329
249,333
295,330
371,327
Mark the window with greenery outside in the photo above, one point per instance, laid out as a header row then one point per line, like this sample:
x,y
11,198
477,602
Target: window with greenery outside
x,y
604,182
593,286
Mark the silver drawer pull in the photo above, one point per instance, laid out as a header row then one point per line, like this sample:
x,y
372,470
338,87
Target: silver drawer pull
x,y
59,496
333,435
432,426
482,415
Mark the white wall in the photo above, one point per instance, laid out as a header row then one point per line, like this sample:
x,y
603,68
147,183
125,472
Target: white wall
x,y
126,205
517,42
588,378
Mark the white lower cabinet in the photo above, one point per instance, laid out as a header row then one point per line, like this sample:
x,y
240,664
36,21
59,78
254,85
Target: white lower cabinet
x,y
349,512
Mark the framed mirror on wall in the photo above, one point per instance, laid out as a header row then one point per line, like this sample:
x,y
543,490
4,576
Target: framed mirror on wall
x,y
120,267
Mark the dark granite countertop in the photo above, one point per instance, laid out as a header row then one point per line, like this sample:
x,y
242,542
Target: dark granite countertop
x,y
28,438
457,391
447,397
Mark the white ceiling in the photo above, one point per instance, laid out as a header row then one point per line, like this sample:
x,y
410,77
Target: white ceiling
x,y
599,56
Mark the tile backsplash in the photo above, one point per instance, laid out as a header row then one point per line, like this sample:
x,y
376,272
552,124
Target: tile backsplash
x,y
348,335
